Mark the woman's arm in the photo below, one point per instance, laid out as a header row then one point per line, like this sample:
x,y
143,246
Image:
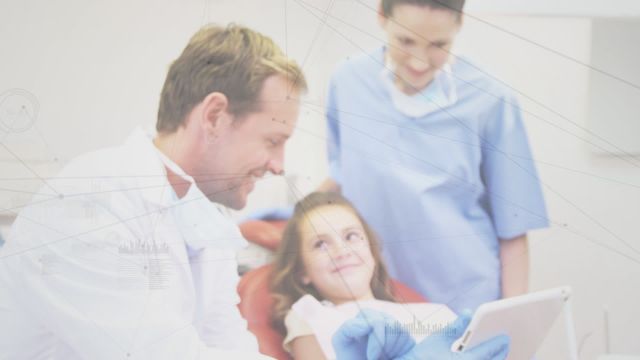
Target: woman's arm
x,y
306,347
514,262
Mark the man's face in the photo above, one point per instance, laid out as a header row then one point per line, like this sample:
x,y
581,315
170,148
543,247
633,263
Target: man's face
x,y
419,40
249,147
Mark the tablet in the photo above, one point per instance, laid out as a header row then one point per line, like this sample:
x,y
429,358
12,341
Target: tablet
x,y
526,319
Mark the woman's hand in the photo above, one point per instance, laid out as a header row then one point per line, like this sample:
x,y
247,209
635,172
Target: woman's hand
x,y
371,335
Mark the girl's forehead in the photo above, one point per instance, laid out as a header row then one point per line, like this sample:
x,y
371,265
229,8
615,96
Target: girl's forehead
x,y
328,219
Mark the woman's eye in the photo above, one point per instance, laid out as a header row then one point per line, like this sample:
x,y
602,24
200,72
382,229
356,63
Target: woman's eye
x,y
405,41
439,45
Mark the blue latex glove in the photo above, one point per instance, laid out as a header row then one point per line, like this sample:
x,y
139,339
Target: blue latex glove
x,y
272,213
369,336
438,346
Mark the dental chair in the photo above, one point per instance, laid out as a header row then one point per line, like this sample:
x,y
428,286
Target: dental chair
x,y
256,301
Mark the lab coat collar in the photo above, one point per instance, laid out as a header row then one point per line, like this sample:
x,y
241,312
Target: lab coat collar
x,y
175,168
146,162
208,227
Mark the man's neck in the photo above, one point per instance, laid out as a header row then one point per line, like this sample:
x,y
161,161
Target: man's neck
x,y
165,144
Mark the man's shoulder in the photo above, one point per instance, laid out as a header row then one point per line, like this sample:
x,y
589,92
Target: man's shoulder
x,y
102,165
94,191
93,161
132,159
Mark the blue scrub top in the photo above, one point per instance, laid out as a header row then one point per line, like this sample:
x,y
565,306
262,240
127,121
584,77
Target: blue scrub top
x,y
439,190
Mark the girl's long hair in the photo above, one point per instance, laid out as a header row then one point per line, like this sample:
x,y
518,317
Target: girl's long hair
x,y
286,278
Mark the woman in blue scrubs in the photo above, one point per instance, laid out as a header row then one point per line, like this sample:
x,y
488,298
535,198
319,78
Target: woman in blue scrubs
x,y
434,154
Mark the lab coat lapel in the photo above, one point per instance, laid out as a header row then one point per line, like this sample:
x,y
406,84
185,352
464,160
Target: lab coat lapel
x,y
159,200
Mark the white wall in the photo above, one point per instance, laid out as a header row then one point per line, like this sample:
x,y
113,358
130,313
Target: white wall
x,y
96,70
598,198
590,8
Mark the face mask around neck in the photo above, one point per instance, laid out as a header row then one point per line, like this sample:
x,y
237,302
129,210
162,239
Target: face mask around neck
x,y
437,95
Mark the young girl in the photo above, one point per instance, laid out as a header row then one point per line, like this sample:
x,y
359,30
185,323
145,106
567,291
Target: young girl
x,y
328,267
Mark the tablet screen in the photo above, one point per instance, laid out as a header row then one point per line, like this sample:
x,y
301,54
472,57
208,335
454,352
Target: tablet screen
x,y
526,319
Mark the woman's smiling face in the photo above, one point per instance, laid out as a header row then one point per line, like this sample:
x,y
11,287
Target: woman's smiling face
x,y
419,41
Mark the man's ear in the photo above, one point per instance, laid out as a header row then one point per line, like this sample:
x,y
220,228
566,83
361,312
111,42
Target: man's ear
x,y
382,19
460,21
215,113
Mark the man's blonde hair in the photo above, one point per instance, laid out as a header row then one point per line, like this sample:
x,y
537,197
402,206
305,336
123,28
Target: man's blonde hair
x,y
232,60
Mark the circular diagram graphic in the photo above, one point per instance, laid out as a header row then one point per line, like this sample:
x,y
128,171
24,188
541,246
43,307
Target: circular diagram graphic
x,y
18,110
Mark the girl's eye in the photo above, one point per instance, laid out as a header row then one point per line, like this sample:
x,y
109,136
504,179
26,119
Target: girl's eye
x,y
320,244
354,236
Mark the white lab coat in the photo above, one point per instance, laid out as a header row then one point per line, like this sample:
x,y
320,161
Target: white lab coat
x,y
102,270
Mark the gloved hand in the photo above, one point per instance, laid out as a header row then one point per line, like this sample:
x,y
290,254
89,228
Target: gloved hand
x,y
371,335
438,346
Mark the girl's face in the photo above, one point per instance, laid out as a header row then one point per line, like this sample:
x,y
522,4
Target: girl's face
x,y
336,254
